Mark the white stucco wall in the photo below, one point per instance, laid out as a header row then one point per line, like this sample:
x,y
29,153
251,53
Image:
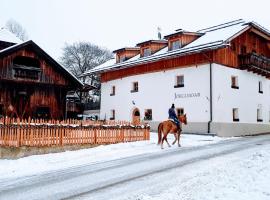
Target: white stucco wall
x,y
157,92
246,98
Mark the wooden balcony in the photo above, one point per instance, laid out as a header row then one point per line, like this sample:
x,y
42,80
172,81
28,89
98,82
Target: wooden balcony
x,y
255,63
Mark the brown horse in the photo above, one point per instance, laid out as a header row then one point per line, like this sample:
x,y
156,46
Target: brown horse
x,y
169,126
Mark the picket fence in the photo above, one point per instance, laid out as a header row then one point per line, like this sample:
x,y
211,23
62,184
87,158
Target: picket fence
x,y
38,133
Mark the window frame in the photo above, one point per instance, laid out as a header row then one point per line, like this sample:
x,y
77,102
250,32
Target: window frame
x,y
178,111
260,87
146,52
235,112
112,114
150,111
135,87
112,91
234,84
259,113
180,83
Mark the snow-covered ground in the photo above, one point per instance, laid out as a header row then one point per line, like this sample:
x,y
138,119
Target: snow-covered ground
x,y
44,163
244,175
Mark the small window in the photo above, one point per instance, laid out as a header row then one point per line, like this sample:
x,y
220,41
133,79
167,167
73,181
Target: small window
x,y
135,87
112,91
175,45
148,114
260,87
146,52
112,114
1,110
122,58
235,115
234,82
259,113
179,111
179,81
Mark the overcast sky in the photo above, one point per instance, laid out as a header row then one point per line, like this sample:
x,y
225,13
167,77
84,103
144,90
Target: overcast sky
x,y
118,23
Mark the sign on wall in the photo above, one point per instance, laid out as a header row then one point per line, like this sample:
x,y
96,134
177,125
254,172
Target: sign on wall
x,y
186,95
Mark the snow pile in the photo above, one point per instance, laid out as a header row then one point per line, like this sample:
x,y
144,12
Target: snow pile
x,y
44,163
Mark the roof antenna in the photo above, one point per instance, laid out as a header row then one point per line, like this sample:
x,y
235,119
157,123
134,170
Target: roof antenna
x,y
159,32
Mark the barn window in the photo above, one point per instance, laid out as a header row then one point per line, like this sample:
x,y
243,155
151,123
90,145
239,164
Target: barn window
x,y
135,87
112,91
43,112
235,115
112,114
26,67
179,81
234,81
1,110
259,113
146,52
260,87
148,114
179,111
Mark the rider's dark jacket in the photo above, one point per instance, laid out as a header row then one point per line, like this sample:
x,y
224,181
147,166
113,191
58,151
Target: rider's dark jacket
x,y
172,115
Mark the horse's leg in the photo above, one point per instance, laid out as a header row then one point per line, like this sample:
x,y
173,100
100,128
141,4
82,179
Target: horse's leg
x,y
162,140
179,134
167,142
175,138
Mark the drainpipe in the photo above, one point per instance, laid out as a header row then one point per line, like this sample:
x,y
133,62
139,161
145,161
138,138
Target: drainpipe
x,y
210,101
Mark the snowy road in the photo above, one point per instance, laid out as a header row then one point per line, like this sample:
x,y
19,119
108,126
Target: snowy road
x,y
121,178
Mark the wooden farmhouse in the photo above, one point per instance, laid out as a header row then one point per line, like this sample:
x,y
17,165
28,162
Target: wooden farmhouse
x,y
32,84
219,76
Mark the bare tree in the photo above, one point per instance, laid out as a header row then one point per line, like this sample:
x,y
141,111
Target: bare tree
x,y
83,56
17,29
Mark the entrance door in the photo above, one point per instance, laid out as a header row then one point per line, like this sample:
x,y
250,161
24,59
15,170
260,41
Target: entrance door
x,y
136,116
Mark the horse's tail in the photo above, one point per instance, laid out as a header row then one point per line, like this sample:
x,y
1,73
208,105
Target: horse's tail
x,y
160,126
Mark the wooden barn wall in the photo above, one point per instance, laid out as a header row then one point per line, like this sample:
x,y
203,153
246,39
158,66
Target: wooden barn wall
x,y
51,97
253,43
157,66
48,74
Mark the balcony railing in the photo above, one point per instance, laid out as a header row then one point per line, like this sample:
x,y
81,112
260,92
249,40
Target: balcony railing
x,y
255,63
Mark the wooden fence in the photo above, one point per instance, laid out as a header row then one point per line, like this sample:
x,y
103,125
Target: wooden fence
x,y
38,133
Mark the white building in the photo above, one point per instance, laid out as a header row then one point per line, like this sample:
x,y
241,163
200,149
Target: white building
x,y
218,76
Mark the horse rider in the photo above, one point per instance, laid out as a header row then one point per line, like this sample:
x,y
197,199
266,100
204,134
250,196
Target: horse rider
x,y
173,116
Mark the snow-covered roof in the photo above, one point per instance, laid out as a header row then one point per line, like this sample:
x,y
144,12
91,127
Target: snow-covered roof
x,y
212,38
7,36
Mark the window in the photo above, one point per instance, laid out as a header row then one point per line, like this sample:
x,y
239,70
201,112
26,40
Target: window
x,y
148,114
175,45
42,112
259,113
112,114
146,52
260,87
1,110
234,82
135,87
235,115
112,91
179,111
122,58
26,68
179,81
